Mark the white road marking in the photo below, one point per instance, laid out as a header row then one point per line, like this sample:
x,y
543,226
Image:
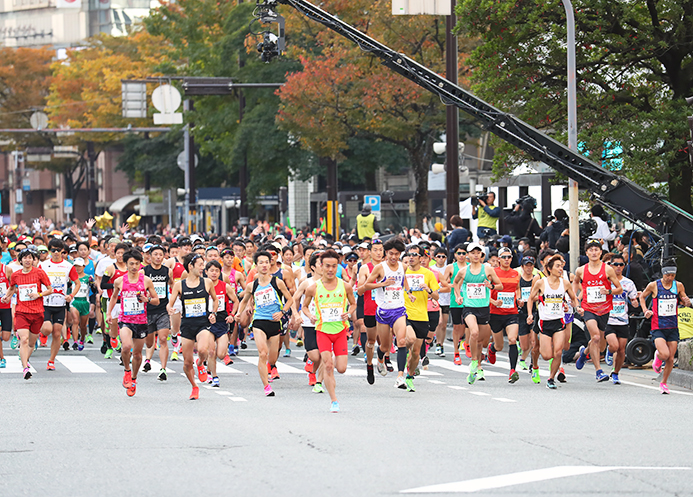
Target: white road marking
x,y
156,366
14,365
524,477
464,368
79,364
281,367
456,387
222,392
238,399
503,399
480,393
650,387
436,382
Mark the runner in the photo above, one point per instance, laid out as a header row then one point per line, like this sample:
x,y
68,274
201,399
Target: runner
x,y
81,307
236,279
596,292
228,300
175,264
666,294
59,272
474,283
529,340
110,275
432,305
458,325
391,315
103,263
132,290
331,296
504,313
617,328
29,313
266,294
194,292
5,313
550,293
441,258
158,320
376,254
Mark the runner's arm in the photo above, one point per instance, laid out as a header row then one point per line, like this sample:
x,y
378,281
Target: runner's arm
x,y
174,295
352,301
611,274
114,296
682,294
149,286
650,289
287,296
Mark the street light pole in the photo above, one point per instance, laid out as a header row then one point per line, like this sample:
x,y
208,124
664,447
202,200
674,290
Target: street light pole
x,y
574,225
452,151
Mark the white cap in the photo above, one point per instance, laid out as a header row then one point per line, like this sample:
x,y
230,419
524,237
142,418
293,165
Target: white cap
x,y
346,250
473,246
78,262
503,250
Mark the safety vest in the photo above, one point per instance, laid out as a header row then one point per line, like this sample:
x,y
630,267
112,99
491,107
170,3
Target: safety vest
x,y
364,226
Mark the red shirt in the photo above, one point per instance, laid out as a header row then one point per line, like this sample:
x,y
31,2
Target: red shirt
x,y
27,283
510,279
592,299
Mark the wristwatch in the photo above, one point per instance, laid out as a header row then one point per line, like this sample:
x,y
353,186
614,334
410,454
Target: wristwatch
x,y
430,291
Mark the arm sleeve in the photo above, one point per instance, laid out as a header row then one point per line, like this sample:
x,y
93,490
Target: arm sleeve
x,y
106,283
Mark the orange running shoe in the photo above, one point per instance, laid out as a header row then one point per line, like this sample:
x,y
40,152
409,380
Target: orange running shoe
x,y
127,379
275,373
201,372
312,380
133,387
228,360
458,360
43,339
308,368
269,368
50,366
467,350
195,393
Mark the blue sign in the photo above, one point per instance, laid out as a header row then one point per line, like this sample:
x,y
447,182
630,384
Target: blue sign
x,y
373,201
68,206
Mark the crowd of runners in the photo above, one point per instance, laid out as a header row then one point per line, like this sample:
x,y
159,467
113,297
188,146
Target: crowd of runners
x,y
207,297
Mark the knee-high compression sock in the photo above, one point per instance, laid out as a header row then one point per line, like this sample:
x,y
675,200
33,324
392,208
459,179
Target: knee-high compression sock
x,y
92,325
401,358
364,338
513,355
423,349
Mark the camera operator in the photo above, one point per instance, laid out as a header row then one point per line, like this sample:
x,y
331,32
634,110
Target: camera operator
x,y
603,232
522,220
554,228
488,215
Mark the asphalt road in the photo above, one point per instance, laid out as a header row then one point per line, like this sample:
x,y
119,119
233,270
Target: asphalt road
x,y
67,433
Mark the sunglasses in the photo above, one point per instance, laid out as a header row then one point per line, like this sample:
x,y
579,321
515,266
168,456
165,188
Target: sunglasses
x,y
619,264
413,254
377,240
441,256
460,253
506,256
54,250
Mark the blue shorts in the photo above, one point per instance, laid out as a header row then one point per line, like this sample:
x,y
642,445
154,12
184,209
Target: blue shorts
x,y
668,334
389,316
219,329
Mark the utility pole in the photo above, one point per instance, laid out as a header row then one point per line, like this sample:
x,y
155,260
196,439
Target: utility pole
x,y
91,180
452,118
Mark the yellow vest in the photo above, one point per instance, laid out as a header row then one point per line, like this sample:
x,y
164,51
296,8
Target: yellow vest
x,y
364,226
484,219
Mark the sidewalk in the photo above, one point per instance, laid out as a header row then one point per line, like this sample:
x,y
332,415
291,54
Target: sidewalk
x,y
681,378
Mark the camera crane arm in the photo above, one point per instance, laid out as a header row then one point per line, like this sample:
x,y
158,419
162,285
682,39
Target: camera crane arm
x,y
618,193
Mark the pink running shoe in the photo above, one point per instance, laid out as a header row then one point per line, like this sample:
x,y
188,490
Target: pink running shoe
x,y
657,363
664,388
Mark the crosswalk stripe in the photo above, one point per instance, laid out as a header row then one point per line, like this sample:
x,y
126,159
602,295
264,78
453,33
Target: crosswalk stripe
x,y
14,365
80,364
464,368
281,367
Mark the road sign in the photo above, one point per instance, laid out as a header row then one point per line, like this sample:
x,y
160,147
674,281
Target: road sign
x,y
19,208
68,206
374,202
166,99
26,184
181,161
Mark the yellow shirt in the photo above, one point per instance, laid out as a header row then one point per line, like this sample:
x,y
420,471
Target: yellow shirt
x,y
418,310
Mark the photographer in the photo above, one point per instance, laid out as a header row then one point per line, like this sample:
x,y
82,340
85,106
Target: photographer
x,y
488,215
522,220
555,227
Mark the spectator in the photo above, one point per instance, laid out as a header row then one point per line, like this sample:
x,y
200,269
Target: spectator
x,y
488,216
522,221
458,235
553,230
603,232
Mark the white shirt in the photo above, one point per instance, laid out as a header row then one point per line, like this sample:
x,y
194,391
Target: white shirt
x,y
603,232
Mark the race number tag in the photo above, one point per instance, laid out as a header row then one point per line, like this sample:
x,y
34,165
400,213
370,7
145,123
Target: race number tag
x,y
666,308
132,306
620,309
416,282
265,297
554,306
221,299
82,292
525,291
194,308
594,296
393,294
331,313
3,289
476,291
160,288
25,291
507,299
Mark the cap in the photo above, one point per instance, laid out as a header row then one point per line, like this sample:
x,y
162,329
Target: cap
x,y
346,251
73,248
506,239
277,246
528,260
323,243
364,245
504,250
351,256
474,246
42,248
366,208
669,270
279,237
78,262
147,247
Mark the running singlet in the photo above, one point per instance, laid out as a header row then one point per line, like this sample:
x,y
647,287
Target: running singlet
x,y
235,287
391,296
59,273
418,310
117,273
28,283
220,290
369,305
592,299
132,310
509,278
194,304
159,278
178,270
474,290
306,320
443,297
619,314
525,291
4,286
83,292
330,305
453,298
664,307
433,305
266,300
551,301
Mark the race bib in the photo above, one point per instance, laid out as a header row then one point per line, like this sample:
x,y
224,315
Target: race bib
x,y
666,308
524,293
594,296
25,291
160,288
83,291
265,297
132,306
507,299
221,299
3,289
476,291
393,294
416,282
554,306
331,313
620,309
194,308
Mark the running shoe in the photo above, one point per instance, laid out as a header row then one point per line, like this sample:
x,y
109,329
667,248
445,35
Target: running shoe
x,y
561,375
275,373
147,366
120,361
467,350
523,365
132,388
614,378
664,388
14,343
299,342
425,362
251,335
457,360
201,371
513,376
104,348
355,350
75,345
195,393
27,373
232,349
460,346
97,331
162,375
228,360
388,365
370,376
318,388
580,363
409,383
535,376
312,380
437,349
215,381
66,345
127,379
657,363
245,346
491,354
480,375
50,366
608,357
442,350
550,384
90,339
119,346
287,353
334,407
268,391
473,369
174,356
601,376
114,343
382,369
308,368
43,339
80,345
393,350
399,383
3,363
